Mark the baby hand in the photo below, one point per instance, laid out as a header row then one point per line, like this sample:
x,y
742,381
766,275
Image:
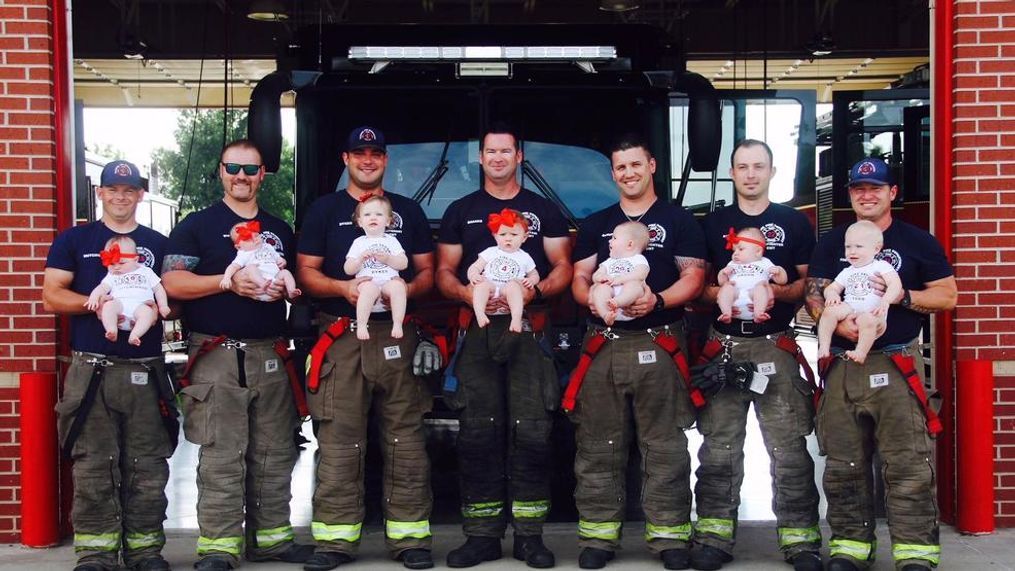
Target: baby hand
x,y
477,280
880,310
280,262
526,282
164,311
382,257
832,300
92,304
727,271
225,283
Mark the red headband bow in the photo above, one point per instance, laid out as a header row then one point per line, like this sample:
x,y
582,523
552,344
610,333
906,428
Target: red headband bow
x,y
732,239
113,255
247,231
366,197
506,217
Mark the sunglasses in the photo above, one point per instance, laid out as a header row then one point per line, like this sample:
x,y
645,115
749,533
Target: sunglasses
x,y
234,168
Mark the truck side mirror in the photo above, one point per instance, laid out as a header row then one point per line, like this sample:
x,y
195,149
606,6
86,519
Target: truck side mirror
x,y
264,118
704,121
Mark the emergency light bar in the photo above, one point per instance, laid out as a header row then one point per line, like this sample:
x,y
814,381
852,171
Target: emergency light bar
x,y
485,53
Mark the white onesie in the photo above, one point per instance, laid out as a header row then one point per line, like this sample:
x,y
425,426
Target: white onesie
x,y
132,289
857,291
265,258
378,273
502,267
619,267
746,276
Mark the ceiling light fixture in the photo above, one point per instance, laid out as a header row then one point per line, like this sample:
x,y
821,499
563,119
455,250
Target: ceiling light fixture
x,y
267,11
821,45
618,5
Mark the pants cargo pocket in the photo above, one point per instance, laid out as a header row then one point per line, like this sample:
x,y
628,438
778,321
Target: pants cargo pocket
x,y
803,407
598,491
66,410
320,403
198,417
550,383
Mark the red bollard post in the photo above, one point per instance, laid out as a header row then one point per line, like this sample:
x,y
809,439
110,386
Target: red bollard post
x,y
975,446
40,493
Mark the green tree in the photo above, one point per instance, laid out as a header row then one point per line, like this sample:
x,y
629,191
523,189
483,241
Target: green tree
x,y
202,187
107,151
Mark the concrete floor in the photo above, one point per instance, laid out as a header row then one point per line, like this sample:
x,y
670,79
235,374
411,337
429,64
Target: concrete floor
x,y
756,550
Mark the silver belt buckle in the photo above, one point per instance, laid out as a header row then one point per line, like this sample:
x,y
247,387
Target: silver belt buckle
x,y
746,327
233,344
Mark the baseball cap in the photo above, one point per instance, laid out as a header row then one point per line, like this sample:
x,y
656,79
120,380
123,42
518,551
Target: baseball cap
x,y
870,170
364,137
121,172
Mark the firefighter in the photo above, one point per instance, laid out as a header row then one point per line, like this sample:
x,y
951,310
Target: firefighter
x,y
881,405
238,400
116,417
349,377
784,407
633,374
507,386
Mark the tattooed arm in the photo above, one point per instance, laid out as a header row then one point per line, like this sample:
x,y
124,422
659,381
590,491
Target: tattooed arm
x,y
183,284
814,297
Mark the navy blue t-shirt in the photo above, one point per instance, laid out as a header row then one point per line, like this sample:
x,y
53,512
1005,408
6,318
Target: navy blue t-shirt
x,y
790,242
464,223
329,230
916,256
77,250
673,232
205,235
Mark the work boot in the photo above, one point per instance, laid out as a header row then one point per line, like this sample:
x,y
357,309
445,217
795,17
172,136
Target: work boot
x,y
295,553
417,558
841,564
593,558
474,551
676,558
531,550
807,561
89,567
155,563
325,560
708,558
915,567
213,564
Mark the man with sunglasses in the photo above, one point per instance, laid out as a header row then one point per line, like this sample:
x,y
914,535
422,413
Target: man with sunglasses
x,y
237,399
354,377
109,415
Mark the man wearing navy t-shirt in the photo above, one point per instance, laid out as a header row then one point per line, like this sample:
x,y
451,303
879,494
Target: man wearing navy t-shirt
x,y
109,415
637,372
881,405
507,387
353,377
238,401
784,408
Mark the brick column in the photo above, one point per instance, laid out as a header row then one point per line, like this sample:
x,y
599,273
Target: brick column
x,y
27,223
984,192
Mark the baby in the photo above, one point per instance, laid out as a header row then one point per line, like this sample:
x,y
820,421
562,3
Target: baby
x,y
503,269
620,279
132,286
380,257
251,249
745,279
863,241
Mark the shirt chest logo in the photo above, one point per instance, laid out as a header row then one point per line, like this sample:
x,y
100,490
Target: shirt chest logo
x,y
891,256
775,236
656,236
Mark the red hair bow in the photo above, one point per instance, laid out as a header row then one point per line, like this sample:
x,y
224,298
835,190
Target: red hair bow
x,y
247,231
113,255
732,239
505,217
366,197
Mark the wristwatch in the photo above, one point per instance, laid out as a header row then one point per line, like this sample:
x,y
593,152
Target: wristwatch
x,y
660,303
538,292
907,299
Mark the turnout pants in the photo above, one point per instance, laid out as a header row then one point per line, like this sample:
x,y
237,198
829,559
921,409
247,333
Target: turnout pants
x,y
786,414
633,379
120,469
507,392
357,377
866,408
239,409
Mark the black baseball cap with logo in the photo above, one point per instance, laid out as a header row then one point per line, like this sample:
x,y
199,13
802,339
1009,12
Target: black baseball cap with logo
x,y
366,138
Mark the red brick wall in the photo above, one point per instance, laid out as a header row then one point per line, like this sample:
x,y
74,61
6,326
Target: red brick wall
x,y
984,193
27,222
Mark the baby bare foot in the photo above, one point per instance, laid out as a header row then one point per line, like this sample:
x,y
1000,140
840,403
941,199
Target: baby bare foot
x,y
295,293
761,317
610,317
133,340
396,331
611,303
111,334
725,318
515,326
823,352
361,333
857,356
482,320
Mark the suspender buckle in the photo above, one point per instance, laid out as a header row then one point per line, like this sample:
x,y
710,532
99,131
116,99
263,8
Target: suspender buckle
x,y
233,344
99,362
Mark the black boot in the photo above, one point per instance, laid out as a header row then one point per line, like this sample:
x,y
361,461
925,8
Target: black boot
x,y
841,564
475,551
417,558
325,560
708,558
914,567
676,558
531,550
807,561
593,558
153,563
213,564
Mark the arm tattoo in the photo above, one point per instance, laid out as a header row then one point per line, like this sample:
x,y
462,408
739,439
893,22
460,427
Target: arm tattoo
x,y
684,263
174,262
814,296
